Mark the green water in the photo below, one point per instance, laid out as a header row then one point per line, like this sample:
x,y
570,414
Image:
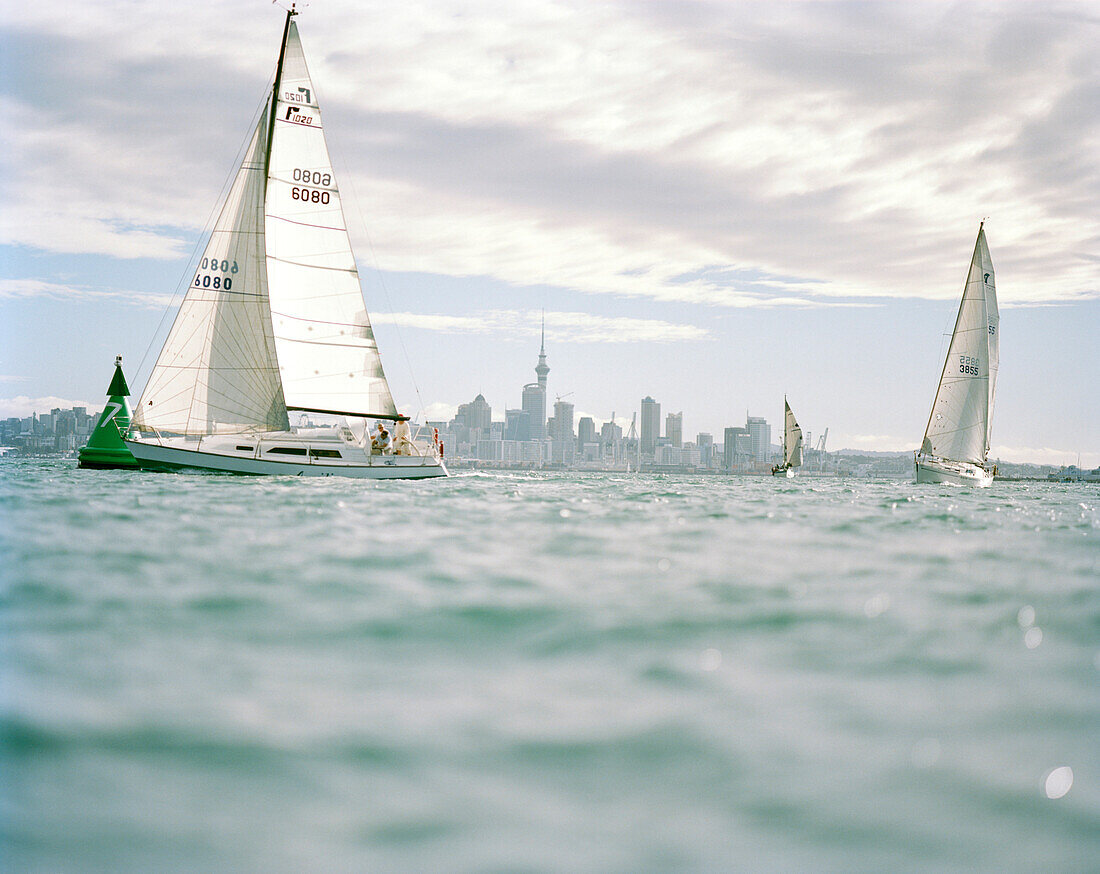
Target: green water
x,y
546,672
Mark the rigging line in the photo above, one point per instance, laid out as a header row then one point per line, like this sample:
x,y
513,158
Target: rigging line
x,y
207,230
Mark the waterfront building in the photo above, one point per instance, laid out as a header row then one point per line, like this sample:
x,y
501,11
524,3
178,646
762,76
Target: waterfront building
x,y
650,425
761,433
736,449
564,440
534,405
517,425
705,442
586,431
674,429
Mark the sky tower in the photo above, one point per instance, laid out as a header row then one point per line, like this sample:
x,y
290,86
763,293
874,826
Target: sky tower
x,y
542,368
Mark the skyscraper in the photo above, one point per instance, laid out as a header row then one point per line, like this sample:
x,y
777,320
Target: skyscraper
x,y
674,429
476,414
517,425
705,442
564,443
761,433
651,424
586,431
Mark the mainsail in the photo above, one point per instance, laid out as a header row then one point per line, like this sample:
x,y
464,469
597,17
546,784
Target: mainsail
x,y
328,358
217,371
274,318
792,438
959,425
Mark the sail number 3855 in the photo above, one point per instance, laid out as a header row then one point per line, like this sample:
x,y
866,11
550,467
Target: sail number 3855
x,y
968,365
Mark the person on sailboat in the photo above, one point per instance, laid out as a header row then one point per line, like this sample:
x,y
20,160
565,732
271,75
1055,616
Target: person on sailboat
x,y
381,442
402,439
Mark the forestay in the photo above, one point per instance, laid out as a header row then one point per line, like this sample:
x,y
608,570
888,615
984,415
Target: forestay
x,y
327,354
217,371
958,428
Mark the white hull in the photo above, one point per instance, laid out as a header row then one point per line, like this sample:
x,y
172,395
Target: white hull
x,y
938,470
785,472
175,454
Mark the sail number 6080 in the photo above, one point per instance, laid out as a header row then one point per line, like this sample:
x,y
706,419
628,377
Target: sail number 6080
x,y
310,195
312,177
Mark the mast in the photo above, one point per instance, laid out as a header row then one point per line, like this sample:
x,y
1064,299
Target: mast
x,y
275,94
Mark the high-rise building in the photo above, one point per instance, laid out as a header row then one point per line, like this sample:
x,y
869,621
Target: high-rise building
x,y
476,414
761,433
737,448
705,442
651,425
517,425
674,429
564,442
611,438
534,405
586,431
563,421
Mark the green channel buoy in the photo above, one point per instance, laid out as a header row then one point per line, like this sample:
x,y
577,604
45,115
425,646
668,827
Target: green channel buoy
x,y
105,448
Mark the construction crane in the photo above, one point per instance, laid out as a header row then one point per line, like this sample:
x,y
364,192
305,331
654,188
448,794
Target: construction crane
x,y
821,456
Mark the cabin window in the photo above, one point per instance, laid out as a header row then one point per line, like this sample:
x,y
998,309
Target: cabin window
x,y
286,450
244,448
325,453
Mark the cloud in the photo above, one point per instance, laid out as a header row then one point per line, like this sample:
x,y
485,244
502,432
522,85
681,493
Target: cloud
x,y
22,407
561,327
843,151
435,412
36,288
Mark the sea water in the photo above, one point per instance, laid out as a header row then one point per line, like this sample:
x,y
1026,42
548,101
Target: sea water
x,y
546,672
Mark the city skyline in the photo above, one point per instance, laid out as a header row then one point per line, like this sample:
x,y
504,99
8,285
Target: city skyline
x,y
714,204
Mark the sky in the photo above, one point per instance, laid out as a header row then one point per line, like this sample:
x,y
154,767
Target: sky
x,y
714,203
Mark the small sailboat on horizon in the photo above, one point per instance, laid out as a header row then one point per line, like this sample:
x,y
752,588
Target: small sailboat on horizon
x,y
274,323
956,440
792,444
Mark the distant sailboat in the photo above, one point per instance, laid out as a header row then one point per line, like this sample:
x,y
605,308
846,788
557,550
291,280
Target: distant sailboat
x,y
956,441
274,322
792,444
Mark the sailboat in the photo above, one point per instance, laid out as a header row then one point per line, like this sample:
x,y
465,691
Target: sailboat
x,y
956,441
792,444
274,324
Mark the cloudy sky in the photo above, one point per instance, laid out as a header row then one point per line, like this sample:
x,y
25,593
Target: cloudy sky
x,y
715,203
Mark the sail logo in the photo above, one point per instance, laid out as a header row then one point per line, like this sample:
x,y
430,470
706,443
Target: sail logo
x,y
302,95
296,116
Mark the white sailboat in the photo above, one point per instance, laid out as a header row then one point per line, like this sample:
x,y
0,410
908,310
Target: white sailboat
x,y
274,323
792,444
956,441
